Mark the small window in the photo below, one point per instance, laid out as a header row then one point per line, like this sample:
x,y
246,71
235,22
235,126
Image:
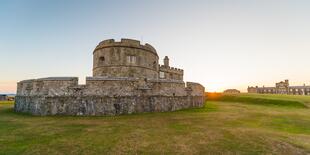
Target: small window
x,y
162,75
102,59
154,64
131,59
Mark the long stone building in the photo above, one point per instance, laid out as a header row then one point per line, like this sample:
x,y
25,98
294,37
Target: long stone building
x,y
127,78
281,87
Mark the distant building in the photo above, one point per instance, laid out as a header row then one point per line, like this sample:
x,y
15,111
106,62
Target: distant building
x,y
231,91
3,97
282,87
10,98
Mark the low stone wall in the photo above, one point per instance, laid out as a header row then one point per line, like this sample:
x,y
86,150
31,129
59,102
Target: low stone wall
x,y
98,105
105,96
195,88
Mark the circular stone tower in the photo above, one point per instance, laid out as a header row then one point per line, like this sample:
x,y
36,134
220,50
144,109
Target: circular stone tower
x,y
127,58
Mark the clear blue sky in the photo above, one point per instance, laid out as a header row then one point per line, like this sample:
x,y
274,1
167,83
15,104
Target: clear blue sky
x,y
219,43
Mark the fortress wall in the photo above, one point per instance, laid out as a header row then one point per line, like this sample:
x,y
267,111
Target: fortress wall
x,y
131,43
196,88
105,96
168,87
24,87
104,86
97,106
113,62
171,72
127,58
37,87
132,86
19,88
197,91
52,86
59,86
125,71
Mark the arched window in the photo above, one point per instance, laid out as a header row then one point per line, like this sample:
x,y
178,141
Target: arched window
x,y
131,59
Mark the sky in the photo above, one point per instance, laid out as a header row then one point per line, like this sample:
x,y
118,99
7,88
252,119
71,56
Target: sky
x,y
219,43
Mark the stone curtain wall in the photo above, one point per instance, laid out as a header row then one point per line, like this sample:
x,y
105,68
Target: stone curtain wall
x,y
54,86
97,106
105,96
195,88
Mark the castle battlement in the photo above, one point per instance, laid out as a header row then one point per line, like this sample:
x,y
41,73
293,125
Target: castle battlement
x,y
126,43
171,69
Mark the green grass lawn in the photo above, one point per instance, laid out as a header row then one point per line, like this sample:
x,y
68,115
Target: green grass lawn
x,y
221,127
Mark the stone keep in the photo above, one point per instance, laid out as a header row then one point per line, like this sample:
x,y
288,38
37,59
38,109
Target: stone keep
x,y
127,78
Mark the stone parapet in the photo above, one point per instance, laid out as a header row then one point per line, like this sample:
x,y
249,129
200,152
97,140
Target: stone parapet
x,y
107,86
166,81
195,88
103,105
46,86
131,43
105,78
171,69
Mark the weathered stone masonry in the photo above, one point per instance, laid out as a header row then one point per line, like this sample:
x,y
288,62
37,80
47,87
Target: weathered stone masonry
x,y
127,78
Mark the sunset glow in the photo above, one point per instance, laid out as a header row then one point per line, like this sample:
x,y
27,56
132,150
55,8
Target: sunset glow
x,y
221,44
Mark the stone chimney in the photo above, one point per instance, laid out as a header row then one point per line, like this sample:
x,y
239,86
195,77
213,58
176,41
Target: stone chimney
x,y
166,61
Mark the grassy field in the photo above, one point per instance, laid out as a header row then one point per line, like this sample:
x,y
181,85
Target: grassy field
x,y
229,124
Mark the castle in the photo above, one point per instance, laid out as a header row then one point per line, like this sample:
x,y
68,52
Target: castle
x,y
127,78
281,87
